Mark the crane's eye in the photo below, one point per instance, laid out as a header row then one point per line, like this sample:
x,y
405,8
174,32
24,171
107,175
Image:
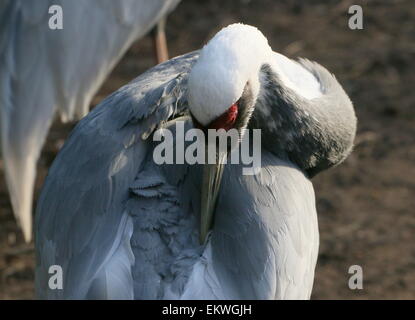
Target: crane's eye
x,y
225,121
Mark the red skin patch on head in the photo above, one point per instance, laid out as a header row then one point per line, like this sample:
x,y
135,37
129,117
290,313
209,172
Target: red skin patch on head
x,y
226,121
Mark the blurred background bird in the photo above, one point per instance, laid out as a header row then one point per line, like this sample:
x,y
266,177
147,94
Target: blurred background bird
x,y
56,72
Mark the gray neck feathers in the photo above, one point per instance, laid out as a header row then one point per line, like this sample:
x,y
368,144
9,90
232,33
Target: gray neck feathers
x,y
315,134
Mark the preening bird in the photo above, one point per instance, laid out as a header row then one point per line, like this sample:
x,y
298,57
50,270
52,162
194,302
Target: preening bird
x,y
45,71
122,226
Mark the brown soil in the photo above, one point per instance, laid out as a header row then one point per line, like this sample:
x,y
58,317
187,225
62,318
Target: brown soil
x,y
366,205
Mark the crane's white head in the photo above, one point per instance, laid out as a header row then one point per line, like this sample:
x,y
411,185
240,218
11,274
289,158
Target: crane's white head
x,y
227,66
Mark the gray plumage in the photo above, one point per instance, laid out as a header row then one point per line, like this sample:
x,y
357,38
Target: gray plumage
x,y
123,227
90,179
316,134
45,72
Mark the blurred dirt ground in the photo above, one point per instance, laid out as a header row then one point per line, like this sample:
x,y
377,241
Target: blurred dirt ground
x,y
366,205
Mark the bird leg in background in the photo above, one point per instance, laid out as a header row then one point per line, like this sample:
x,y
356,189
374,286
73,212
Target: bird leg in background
x,y
160,43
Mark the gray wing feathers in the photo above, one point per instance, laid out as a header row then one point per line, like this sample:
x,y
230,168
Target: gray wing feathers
x,y
165,238
83,200
115,278
264,245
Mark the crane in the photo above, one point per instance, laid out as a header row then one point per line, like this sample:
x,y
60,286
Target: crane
x,y
121,226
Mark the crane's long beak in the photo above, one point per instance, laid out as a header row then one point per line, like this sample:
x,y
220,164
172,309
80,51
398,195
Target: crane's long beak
x,y
212,176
